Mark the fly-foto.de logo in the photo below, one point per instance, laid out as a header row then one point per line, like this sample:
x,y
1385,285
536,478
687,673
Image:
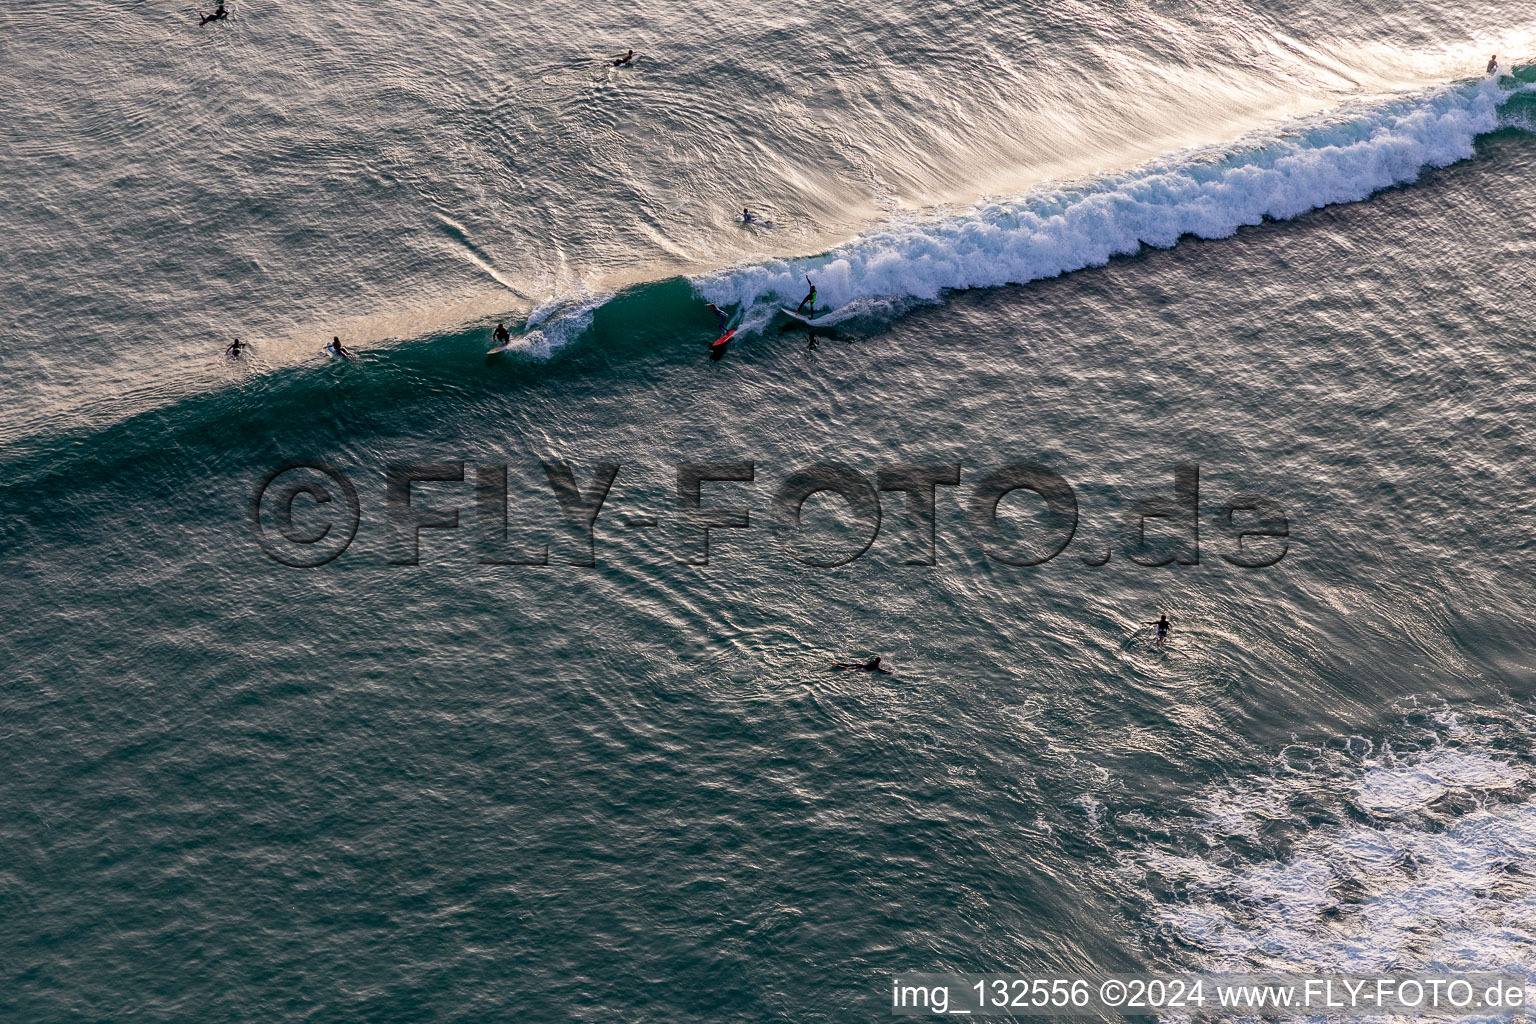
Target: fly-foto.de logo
x,y
306,514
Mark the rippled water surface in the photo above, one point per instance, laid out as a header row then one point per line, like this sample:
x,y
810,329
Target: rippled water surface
x,y
1289,247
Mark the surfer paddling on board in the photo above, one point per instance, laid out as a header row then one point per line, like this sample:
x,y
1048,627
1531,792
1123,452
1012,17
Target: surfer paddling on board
x,y
218,13
236,349
1160,629
872,665
501,336
624,60
335,348
811,298
1493,64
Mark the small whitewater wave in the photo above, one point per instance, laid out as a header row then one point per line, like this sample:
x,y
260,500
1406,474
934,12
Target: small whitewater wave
x,y
1210,193
556,323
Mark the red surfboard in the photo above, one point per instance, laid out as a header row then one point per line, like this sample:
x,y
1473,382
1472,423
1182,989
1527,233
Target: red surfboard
x,y
717,349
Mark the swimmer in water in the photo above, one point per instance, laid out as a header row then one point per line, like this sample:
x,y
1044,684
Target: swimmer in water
x,y
872,665
1160,634
624,60
1493,64
746,215
236,349
811,298
501,336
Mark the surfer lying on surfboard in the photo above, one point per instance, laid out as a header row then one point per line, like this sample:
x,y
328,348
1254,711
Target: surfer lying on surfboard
x,y
218,13
872,665
624,60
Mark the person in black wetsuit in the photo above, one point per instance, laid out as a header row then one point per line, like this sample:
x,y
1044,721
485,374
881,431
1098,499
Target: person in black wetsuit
x,y
335,348
746,215
719,345
872,665
624,60
811,298
236,349
1160,634
218,13
501,336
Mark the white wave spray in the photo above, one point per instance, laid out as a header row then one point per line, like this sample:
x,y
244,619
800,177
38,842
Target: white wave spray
x,y
1210,193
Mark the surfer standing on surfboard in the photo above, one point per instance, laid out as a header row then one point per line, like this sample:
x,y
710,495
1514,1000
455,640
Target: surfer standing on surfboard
x,y
717,347
811,298
501,336
1162,626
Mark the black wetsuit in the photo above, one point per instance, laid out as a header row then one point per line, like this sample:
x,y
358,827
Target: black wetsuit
x,y
872,665
501,335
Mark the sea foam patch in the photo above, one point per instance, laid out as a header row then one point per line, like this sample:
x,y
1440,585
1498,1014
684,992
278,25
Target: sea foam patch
x,y
1360,862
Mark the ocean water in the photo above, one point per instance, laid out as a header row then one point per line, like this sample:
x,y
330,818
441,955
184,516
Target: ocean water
x,y
1288,246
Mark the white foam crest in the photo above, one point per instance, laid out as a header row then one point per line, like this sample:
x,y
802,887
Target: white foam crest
x,y
555,324
1210,193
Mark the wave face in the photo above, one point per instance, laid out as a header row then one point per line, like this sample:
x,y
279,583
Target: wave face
x,y
1207,193
392,172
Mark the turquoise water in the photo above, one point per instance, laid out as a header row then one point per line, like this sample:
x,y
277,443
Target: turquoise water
x,y
1291,248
